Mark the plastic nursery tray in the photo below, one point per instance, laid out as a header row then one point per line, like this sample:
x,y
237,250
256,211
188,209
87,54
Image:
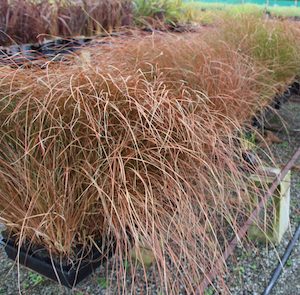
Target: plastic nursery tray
x,y
65,274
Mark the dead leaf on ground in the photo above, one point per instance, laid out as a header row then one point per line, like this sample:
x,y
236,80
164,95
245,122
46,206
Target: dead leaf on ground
x,y
269,139
296,168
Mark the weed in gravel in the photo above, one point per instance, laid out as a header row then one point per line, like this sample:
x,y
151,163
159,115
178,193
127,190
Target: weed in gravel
x,y
102,282
26,285
289,263
240,270
284,144
35,278
209,291
126,265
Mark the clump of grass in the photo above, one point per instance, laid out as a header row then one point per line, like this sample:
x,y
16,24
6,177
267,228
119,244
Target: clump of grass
x,y
194,13
30,21
138,144
284,12
157,12
273,44
22,21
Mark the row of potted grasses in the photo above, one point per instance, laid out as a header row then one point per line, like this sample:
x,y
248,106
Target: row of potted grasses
x,y
137,141
32,21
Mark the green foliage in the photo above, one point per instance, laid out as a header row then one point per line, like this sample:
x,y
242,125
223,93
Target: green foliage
x,y
35,279
208,13
275,48
26,285
209,291
289,263
205,12
248,140
192,12
102,282
284,144
273,45
246,9
239,269
197,10
169,10
284,11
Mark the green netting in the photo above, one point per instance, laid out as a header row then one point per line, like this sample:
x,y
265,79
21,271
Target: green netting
x,y
259,2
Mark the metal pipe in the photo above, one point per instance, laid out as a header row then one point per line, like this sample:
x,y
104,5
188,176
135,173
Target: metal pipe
x,y
242,232
283,261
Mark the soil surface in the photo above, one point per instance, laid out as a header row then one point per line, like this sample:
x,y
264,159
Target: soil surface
x,y
249,269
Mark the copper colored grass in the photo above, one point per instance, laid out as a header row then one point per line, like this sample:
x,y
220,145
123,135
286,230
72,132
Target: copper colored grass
x,y
139,143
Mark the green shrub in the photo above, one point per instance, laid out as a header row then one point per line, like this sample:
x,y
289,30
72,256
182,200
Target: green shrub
x,y
163,10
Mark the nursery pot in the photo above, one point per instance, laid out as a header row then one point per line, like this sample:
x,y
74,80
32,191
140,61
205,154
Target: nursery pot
x,y
58,269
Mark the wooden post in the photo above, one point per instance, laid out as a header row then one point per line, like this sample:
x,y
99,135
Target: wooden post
x,y
273,221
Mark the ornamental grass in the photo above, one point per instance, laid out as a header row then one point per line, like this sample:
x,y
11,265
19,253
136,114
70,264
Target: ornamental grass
x,y
271,43
32,21
136,146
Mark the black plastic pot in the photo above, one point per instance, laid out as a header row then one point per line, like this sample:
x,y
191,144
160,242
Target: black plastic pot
x,y
66,274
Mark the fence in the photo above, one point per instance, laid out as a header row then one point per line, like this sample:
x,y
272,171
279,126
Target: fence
x,y
290,3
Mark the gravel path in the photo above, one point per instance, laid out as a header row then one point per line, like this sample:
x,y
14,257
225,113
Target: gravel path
x,y
252,265
249,269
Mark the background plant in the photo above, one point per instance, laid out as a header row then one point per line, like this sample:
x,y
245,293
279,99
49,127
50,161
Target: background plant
x,y
273,44
32,21
166,11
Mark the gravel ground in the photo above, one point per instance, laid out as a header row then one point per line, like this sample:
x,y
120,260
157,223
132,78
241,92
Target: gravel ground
x,y
249,269
252,265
